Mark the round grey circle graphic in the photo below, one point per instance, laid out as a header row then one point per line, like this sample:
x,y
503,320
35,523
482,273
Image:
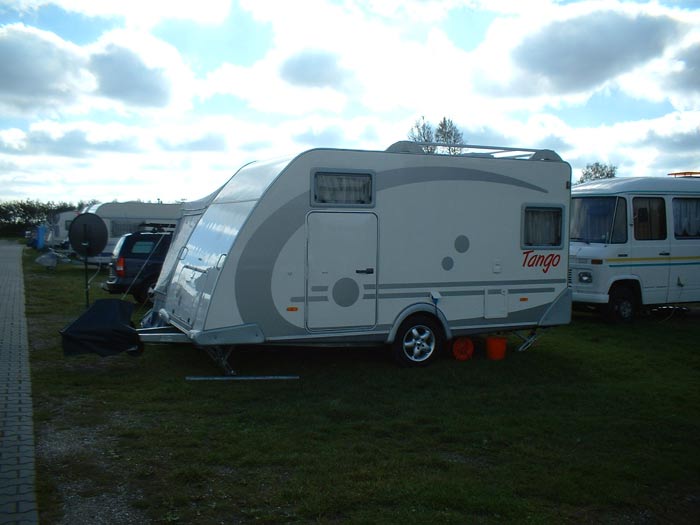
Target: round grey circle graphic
x,y
346,292
462,243
447,263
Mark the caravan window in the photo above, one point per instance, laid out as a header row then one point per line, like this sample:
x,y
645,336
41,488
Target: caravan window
x,y
686,218
649,218
354,189
542,227
123,227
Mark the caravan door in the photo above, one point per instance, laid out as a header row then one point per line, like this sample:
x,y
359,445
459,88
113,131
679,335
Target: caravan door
x,y
341,271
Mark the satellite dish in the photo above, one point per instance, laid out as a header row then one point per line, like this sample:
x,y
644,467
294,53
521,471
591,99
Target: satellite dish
x,y
88,234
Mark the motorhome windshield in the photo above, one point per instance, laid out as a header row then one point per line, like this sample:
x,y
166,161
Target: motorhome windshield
x,y
599,220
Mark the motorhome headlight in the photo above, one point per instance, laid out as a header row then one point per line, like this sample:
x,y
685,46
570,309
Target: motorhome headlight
x,y
585,277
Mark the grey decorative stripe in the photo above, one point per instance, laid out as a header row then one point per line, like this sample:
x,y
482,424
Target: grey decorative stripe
x,y
418,295
495,292
531,290
403,286
462,293
312,299
319,288
401,176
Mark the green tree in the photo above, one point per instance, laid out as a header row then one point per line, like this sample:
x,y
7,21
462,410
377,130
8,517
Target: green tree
x,y
17,216
448,133
597,171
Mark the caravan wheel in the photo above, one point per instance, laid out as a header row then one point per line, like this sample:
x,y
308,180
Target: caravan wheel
x,y
419,341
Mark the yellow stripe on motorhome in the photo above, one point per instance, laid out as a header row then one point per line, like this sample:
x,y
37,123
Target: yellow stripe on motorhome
x,y
642,259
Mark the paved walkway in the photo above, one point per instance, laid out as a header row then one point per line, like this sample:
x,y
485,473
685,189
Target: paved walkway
x,y
17,475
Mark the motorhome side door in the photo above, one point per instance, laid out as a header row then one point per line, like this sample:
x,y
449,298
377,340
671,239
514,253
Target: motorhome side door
x,y
650,249
341,271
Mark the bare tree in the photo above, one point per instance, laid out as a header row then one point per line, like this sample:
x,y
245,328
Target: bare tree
x,y
422,131
447,133
597,171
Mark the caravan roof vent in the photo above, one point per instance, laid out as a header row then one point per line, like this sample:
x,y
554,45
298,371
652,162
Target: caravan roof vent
x,y
406,146
545,154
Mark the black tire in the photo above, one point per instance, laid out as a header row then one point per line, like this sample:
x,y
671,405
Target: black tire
x,y
622,306
419,341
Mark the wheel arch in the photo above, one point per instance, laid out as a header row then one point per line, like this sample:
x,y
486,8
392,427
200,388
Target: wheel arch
x,y
419,308
632,284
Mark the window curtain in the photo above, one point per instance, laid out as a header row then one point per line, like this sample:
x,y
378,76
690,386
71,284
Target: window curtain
x,y
542,227
686,218
339,188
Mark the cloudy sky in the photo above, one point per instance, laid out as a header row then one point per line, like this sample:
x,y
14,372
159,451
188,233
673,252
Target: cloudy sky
x,y
143,99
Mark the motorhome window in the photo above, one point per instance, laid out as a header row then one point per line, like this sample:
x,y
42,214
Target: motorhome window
x,y
343,188
598,220
686,218
542,227
649,218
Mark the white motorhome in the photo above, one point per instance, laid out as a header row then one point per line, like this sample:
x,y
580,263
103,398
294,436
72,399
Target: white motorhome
x,y
341,246
635,241
132,216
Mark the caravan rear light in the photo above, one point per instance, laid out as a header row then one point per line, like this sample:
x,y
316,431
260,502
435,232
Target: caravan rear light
x,y
119,267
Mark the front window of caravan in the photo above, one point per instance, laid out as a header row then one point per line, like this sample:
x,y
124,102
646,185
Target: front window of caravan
x,y
354,189
599,220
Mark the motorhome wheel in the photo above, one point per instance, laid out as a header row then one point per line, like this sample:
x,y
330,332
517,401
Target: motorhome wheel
x,y
621,305
418,342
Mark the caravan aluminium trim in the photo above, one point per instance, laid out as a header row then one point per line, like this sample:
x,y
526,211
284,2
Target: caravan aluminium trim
x,y
635,241
344,246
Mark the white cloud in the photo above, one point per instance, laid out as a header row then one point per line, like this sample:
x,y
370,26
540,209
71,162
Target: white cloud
x,y
140,14
39,71
344,73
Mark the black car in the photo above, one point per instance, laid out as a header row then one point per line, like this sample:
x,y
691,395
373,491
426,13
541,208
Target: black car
x,y
136,262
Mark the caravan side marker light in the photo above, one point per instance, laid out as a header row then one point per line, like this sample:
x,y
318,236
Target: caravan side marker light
x,y
596,261
292,309
524,299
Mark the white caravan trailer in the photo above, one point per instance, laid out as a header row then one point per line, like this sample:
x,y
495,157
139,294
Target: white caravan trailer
x,y
345,247
59,227
130,217
635,241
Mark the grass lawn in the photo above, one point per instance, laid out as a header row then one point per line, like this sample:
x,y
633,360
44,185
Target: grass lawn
x,y
594,424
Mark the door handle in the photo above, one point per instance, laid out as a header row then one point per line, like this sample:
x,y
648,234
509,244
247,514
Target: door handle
x,y
368,271
665,253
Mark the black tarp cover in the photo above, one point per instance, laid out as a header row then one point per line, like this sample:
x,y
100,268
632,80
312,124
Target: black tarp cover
x,y
104,329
